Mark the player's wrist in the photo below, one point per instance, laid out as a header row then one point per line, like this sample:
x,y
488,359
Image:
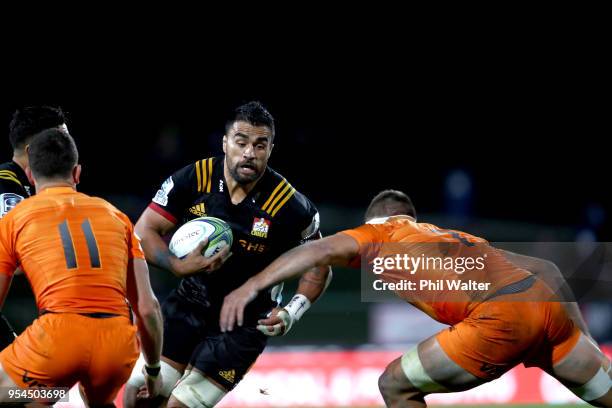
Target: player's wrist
x,y
254,284
297,306
179,266
152,369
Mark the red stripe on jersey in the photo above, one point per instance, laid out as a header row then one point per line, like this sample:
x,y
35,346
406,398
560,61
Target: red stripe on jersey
x,y
158,209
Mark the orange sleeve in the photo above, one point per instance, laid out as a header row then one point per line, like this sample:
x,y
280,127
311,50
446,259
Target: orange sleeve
x,y
364,235
133,241
367,236
8,258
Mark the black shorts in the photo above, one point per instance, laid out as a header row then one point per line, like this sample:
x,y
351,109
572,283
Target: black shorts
x,y
190,338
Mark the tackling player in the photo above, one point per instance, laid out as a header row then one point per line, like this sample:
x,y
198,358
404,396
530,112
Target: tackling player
x,y
83,260
268,216
490,332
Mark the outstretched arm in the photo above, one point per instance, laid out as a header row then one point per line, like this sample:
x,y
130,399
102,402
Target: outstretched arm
x,y
336,250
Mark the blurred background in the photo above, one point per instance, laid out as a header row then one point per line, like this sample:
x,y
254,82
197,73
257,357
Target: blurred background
x,y
509,158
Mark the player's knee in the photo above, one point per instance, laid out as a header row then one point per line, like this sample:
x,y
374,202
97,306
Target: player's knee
x,y
390,388
598,388
196,391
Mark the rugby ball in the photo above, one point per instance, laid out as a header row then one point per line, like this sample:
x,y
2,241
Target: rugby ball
x,y
189,235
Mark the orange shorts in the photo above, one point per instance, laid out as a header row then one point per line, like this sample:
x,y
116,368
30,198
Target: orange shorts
x,y
60,349
499,334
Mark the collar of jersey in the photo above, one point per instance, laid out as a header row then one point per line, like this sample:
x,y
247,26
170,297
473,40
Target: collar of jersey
x,y
57,190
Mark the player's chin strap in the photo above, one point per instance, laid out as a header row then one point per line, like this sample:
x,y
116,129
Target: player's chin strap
x,y
596,387
291,313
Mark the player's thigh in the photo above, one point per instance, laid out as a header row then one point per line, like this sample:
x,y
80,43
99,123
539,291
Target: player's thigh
x,y
196,389
183,331
227,357
587,372
427,368
116,351
48,353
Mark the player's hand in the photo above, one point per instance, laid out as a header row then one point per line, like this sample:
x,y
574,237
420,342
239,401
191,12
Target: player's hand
x,y
234,303
151,387
195,262
277,324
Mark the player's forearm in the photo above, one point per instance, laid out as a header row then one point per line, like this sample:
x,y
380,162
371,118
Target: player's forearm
x,y
150,331
314,282
291,264
156,250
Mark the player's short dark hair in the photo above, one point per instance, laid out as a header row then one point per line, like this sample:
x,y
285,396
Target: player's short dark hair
x,y
254,113
30,120
388,203
52,154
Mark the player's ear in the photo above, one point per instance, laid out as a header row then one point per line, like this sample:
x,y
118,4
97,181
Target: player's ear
x,y
224,143
76,174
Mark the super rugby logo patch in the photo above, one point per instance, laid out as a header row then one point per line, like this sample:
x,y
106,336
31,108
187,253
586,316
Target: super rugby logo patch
x,y
8,201
161,197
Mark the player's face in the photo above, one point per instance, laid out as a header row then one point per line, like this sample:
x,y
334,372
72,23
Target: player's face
x,y
247,150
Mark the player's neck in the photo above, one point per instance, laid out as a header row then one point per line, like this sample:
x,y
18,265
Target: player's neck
x,y
45,184
237,191
21,160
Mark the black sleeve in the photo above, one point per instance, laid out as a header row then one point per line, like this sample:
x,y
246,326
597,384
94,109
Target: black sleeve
x,y
11,193
306,221
175,194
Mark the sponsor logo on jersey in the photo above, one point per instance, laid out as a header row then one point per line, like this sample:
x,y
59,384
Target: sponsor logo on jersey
x,y
8,201
260,227
199,210
228,375
161,197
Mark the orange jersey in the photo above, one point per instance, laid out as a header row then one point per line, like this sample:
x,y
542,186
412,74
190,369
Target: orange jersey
x,y
390,236
73,248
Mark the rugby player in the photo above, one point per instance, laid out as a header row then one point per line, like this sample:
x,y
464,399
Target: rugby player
x,y
14,185
268,216
83,260
514,321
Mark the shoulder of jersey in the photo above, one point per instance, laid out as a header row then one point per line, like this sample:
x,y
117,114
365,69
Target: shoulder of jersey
x,y
204,174
280,196
7,174
101,202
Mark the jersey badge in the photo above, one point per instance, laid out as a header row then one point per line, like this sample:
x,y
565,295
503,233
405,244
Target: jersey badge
x,y
261,226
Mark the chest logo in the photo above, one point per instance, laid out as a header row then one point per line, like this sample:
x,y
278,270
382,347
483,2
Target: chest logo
x,y
261,226
198,210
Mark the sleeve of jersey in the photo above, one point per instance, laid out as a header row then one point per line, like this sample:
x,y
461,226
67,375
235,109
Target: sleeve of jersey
x,y
174,193
366,236
8,260
311,223
10,195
